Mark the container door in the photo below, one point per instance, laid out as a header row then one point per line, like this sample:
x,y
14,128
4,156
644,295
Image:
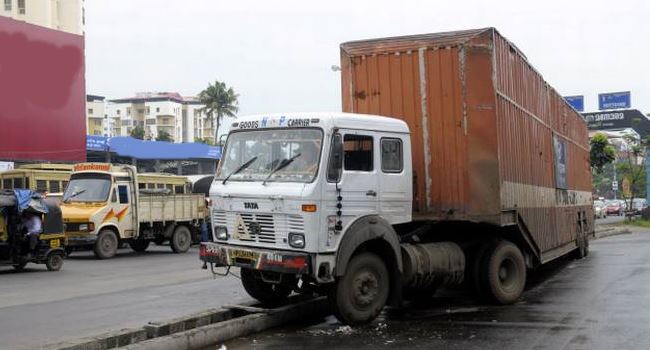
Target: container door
x,y
123,209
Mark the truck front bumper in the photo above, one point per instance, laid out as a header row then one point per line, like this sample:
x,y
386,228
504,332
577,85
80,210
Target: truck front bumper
x,y
80,239
253,258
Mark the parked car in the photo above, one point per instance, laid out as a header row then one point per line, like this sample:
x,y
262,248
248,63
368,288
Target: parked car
x,y
599,210
638,204
615,207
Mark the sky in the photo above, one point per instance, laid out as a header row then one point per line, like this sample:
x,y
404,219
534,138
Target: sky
x,y
277,55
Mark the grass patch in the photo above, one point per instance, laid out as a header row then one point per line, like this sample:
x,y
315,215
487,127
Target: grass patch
x,y
640,223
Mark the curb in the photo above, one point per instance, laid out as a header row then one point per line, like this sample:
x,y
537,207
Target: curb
x,y
613,231
217,333
199,330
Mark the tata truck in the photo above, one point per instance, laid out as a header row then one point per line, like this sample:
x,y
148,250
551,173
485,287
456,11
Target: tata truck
x,y
455,163
105,205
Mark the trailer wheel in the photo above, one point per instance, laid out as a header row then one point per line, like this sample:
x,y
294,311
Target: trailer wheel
x,y
359,296
268,293
139,245
106,244
181,239
54,262
503,273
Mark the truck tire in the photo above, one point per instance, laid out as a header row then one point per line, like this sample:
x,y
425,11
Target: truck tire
x,y
139,245
181,239
267,293
361,293
475,268
503,273
106,244
54,262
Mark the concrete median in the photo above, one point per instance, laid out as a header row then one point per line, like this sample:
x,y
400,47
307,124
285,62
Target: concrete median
x,y
203,329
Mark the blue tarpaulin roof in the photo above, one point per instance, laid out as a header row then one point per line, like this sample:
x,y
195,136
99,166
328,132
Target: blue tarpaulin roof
x,y
29,199
130,147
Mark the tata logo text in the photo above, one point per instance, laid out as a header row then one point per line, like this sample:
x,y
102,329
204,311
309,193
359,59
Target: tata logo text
x,y
251,205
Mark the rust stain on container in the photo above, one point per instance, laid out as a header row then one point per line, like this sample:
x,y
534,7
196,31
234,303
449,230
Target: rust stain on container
x,y
483,125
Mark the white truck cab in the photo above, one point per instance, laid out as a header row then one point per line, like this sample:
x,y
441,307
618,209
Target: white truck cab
x,y
290,187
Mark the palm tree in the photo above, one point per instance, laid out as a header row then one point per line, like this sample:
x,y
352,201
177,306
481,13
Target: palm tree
x,y
220,101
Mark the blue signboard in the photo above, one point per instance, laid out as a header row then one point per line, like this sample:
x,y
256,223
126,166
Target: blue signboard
x,y
577,102
96,143
614,100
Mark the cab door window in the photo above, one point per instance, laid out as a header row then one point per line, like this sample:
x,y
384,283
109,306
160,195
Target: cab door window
x,y
123,194
357,153
391,155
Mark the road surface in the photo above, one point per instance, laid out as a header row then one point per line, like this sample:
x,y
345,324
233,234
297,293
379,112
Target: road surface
x,y
91,296
596,303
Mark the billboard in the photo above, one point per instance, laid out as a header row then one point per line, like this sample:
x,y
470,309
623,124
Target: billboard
x,y
618,120
577,102
614,100
42,93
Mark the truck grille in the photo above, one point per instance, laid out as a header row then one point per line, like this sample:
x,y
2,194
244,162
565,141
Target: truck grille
x,y
262,228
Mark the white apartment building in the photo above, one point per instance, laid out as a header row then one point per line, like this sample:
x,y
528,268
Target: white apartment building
x,y
63,15
179,116
97,120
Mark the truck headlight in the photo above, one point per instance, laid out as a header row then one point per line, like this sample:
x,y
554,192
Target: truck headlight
x,y
297,240
221,233
83,227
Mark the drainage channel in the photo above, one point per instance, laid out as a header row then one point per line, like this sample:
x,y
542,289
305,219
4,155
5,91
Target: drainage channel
x,y
203,329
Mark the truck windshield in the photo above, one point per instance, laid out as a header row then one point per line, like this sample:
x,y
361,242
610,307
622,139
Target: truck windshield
x,y
88,188
301,148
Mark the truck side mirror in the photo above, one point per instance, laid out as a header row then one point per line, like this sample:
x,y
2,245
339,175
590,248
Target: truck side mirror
x,y
335,165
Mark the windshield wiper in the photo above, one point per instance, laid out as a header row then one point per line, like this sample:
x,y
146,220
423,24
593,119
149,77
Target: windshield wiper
x,y
241,167
74,194
283,164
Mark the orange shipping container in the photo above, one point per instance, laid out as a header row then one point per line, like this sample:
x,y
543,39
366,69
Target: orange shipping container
x,y
493,142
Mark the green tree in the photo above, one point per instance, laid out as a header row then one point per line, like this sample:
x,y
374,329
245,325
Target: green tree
x,y
138,132
631,168
220,101
206,141
164,136
602,152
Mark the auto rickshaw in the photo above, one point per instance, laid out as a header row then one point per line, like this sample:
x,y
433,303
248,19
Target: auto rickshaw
x,y
14,245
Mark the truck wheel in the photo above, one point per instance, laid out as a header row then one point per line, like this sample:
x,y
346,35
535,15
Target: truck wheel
x,y
359,296
54,262
503,273
267,293
139,245
106,244
475,268
181,239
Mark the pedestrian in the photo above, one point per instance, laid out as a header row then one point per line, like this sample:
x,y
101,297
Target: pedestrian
x,y
33,226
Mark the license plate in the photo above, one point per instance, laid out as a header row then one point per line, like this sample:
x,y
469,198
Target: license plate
x,y
55,243
243,254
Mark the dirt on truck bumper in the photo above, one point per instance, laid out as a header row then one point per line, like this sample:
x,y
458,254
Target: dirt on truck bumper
x,y
258,259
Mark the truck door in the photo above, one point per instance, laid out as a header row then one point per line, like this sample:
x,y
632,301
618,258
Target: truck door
x,y
395,181
123,208
358,180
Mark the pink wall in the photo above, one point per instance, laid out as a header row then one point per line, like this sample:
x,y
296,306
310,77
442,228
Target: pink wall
x,y
42,93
